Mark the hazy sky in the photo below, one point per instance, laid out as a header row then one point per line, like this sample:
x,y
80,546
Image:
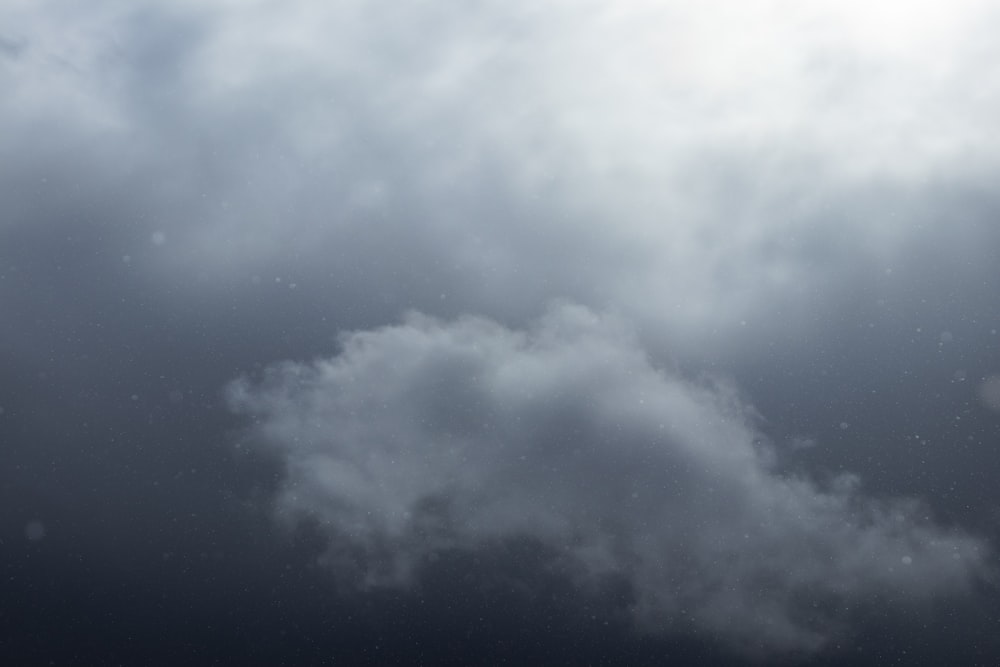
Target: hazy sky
x,y
555,332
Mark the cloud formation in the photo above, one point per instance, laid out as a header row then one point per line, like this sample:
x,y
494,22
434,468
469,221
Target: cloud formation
x,y
434,435
709,166
799,195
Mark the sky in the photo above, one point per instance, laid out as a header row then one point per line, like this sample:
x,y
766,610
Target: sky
x,y
645,332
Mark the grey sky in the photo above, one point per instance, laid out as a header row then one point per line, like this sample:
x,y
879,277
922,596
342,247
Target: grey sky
x,y
794,200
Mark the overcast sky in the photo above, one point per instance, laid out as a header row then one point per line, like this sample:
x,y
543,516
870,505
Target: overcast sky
x,y
410,333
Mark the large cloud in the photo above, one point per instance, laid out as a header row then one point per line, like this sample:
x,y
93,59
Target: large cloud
x,y
708,166
429,436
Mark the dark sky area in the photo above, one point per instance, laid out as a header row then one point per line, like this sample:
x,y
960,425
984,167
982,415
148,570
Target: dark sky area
x,y
652,333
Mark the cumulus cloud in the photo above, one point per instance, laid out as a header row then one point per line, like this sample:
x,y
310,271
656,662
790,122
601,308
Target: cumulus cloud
x,y
433,435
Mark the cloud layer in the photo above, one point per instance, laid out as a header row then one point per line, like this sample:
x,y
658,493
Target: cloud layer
x,y
709,167
433,435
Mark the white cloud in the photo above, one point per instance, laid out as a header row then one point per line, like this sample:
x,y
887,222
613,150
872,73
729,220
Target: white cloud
x,y
693,166
432,435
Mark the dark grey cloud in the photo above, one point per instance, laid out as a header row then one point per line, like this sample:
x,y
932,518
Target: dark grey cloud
x,y
427,436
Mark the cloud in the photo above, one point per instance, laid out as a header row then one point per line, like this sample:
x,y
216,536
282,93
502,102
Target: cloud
x,y
707,167
431,435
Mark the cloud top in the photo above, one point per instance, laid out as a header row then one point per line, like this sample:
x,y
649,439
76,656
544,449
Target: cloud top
x,y
433,435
